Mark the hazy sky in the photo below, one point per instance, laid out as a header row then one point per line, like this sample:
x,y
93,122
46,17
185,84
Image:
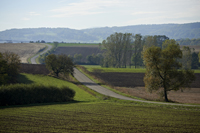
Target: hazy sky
x,y
80,14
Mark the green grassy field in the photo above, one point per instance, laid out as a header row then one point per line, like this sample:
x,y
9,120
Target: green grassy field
x,y
92,114
75,44
93,68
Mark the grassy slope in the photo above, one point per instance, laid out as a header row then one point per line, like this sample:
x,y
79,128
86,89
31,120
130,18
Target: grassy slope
x,y
81,95
90,114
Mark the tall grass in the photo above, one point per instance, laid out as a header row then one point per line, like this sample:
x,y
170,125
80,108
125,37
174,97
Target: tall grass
x,y
20,94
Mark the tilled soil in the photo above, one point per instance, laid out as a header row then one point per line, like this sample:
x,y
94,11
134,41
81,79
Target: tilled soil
x,y
24,50
132,84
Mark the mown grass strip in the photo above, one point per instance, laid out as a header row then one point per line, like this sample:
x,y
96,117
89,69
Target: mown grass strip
x,y
98,68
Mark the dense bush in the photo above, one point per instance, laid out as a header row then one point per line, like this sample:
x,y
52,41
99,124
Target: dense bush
x,y
9,67
20,94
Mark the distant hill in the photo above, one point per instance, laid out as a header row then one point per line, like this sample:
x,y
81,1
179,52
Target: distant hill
x,y
173,31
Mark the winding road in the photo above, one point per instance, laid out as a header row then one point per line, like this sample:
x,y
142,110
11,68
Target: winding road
x,y
94,86
33,58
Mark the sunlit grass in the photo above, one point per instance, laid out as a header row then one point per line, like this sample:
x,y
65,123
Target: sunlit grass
x,y
97,68
80,95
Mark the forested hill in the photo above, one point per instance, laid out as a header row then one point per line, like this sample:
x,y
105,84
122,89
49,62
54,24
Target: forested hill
x,y
173,31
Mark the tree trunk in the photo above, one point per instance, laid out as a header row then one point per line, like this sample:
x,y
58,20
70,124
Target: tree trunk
x,y
165,93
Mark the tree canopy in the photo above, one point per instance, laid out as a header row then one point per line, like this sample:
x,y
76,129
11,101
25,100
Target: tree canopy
x,y
9,67
163,70
59,64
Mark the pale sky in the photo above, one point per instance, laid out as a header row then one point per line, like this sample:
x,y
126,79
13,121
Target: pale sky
x,y
81,14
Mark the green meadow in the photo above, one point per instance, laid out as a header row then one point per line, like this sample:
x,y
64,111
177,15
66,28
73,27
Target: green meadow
x,y
90,112
98,68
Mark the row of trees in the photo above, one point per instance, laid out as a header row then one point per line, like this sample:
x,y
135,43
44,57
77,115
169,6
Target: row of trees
x,y
188,41
124,49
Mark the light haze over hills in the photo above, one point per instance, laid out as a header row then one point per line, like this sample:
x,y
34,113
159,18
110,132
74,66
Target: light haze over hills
x,y
96,35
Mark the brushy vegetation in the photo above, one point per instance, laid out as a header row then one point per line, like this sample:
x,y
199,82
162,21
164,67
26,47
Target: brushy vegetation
x,y
20,94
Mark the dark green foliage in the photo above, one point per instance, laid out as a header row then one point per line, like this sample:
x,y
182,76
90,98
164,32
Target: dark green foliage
x,y
95,59
20,94
3,71
9,67
59,64
195,61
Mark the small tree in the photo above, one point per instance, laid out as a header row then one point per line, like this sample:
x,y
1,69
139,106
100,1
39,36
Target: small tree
x,y
59,64
13,65
3,71
162,68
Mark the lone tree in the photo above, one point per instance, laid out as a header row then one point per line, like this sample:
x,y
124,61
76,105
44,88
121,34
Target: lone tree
x,y
59,64
163,69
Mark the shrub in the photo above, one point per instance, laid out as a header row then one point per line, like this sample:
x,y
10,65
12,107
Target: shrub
x,y
20,94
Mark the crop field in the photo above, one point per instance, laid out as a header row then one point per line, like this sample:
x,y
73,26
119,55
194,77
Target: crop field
x,y
83,50
88,113
24,50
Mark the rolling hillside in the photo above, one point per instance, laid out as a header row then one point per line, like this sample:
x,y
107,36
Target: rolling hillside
x,y
96,35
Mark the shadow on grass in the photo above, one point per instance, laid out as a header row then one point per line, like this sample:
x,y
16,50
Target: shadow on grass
x,y
87,83
40,104
23,79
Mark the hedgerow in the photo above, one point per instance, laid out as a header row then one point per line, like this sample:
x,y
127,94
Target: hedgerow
x,y
20,94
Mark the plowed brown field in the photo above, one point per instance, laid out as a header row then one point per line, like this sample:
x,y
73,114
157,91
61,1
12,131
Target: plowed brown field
x,y
24,50
132,84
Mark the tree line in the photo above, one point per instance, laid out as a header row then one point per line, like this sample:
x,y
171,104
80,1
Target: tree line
x,y
188,41
125,50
